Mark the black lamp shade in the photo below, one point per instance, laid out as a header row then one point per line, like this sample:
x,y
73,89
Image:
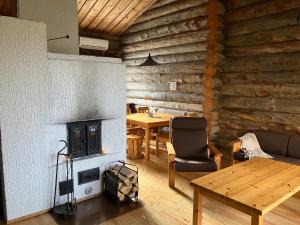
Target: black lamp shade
x,y
149,62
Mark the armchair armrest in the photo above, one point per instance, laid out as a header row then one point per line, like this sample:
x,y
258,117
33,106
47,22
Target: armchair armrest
x,y
170,148
171,159
217,154
214,149
235,146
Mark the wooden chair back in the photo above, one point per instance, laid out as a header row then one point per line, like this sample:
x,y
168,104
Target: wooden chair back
x,y
142,109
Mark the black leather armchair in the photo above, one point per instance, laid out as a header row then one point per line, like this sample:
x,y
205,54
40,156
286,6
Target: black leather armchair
x,y
190,150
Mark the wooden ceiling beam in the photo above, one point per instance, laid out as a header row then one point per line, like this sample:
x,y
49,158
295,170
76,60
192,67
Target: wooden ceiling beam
x,y
80,4
110,17
111,4
122,16
132,16
86,9
93,13
113,14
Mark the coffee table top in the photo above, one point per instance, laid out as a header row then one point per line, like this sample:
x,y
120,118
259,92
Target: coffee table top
x,y
257,185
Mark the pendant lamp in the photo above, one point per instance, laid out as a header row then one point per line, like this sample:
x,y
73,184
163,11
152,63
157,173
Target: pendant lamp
x,y
149,61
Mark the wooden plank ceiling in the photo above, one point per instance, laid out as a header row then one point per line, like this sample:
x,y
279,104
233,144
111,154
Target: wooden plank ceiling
x,y
109,17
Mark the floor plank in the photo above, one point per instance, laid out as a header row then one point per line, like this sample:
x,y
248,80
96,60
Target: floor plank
x,y
165,206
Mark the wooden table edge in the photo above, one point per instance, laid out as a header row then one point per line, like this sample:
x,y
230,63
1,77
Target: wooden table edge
x,y
279,201
228,201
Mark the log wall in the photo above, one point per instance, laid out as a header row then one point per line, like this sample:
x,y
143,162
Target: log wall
x,y
186,39
261,76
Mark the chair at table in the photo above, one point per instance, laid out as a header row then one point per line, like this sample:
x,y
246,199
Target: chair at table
x,y
190,150
142,109
134,130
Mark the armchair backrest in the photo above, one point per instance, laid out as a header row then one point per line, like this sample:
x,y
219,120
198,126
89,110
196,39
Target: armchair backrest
x,y
189,137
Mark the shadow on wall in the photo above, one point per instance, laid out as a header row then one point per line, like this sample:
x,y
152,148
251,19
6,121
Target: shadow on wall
x,y
2,195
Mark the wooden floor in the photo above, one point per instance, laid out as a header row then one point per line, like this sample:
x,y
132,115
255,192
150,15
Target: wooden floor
x,y
164,206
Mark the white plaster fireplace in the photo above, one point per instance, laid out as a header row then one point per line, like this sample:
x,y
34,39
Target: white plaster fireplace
x,y
39,93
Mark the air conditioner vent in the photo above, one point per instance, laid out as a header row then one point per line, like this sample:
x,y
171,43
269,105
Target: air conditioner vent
x,y
93,43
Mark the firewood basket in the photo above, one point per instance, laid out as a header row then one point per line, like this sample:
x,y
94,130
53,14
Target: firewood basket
x,y
112,181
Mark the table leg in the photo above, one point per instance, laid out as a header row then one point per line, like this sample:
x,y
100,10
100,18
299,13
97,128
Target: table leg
x,y
147,143
197,209
257,220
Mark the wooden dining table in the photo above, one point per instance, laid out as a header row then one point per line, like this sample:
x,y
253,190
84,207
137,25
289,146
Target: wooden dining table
x,y
148,123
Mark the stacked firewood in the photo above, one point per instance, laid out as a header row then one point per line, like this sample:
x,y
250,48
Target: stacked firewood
x,y
128,182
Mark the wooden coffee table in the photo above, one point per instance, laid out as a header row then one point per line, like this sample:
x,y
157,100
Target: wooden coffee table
x,y
254,187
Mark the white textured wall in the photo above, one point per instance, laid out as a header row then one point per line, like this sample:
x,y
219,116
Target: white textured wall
x,y
61,19
35,95
87,89
23,115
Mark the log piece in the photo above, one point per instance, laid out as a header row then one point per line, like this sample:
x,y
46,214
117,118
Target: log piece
x,y
233,4
260,9
278,47
168,9
125,189
166,96
179,16
262,90
170,105
281,34
259,77
187,67
176,39
165,78
160,3
124,170
174,58
128,181
121,196
290,120
266,62
166,30
178,49
287,18
165,87
262,104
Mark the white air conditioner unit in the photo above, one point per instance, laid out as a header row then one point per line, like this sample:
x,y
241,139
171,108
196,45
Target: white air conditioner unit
x,y
93,43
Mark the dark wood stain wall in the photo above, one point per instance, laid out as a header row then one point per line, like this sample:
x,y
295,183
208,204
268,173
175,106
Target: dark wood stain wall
x,y
261,74
8,8
179,42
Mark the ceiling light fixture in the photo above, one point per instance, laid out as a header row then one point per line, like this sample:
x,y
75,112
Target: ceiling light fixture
x,y
149,61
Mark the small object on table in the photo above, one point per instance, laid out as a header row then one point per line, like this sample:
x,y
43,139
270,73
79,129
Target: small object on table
x,y
134,146
150,114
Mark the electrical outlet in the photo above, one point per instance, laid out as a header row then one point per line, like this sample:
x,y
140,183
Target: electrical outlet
x,y
173,86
